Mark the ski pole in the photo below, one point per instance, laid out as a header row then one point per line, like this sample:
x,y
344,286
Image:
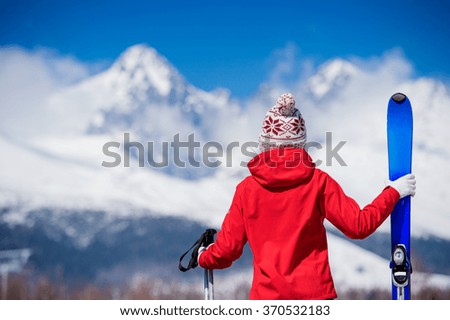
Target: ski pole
x,y
211,284
208,281
208,284
205,240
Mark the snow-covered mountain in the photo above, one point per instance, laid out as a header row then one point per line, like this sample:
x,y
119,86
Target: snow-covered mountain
x,y
143,92
330,78
55,171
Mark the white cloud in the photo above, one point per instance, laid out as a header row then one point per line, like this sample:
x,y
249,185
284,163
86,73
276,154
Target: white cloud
x,y
27,80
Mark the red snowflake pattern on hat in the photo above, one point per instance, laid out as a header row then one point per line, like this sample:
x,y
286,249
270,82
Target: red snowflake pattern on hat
x,y
297,126
271,125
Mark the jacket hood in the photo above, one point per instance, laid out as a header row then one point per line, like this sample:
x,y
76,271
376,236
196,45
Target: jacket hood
x,y
282,167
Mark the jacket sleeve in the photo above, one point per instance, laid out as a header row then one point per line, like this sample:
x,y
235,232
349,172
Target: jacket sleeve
x,y
230,240
346,215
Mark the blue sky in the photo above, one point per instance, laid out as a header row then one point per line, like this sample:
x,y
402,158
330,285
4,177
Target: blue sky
x,y
232,44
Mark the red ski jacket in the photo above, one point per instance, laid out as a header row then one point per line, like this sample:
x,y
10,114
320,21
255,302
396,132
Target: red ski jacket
x,y
280,210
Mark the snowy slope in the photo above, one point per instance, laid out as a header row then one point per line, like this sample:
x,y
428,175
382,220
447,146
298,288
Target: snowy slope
x,y
70,181
366,270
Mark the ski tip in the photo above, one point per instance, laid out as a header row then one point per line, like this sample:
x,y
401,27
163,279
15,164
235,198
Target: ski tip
x,y
398,97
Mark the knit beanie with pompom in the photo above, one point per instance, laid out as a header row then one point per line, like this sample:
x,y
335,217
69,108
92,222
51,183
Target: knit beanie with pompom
x,y
283,126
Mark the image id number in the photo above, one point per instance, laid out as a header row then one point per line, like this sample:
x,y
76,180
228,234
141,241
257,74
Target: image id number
x,y
303,310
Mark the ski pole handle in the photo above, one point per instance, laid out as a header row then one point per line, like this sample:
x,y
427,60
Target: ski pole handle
x,y
209,237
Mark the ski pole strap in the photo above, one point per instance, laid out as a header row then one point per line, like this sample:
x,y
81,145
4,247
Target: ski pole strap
x,y
205,239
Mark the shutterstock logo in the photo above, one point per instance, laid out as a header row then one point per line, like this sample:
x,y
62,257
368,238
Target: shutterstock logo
x,y
189,152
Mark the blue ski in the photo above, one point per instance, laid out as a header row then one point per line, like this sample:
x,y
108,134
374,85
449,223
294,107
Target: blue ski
x,y
399,138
